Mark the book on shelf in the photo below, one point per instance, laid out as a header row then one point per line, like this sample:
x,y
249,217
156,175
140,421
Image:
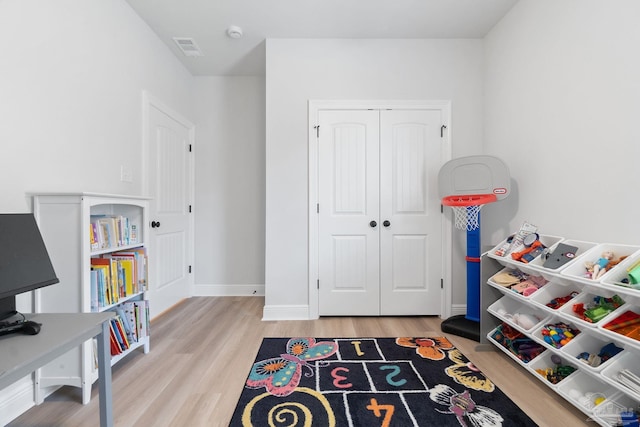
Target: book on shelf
x,y
111,231
129,328
117,275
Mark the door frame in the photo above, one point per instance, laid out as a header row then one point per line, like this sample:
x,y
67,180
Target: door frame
x,y
314,107
150,101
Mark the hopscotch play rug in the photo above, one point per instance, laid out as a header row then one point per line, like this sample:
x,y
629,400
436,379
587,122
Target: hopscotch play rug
x,y
370,382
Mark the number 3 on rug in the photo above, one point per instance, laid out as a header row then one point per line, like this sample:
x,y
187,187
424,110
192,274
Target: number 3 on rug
x,y
375,408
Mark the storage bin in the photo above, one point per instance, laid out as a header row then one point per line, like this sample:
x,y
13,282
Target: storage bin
x,y
539,336
508,261
538,282
578,271
585,392
544,362
608,412
518,315
631,335
495,336
586,299
619,273
586,343
552,291
628,360
549,273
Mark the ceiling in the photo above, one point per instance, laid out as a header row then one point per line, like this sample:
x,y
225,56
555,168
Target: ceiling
x,y
206,21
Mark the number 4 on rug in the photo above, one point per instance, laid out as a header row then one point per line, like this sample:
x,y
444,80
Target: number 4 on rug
x,y
375,408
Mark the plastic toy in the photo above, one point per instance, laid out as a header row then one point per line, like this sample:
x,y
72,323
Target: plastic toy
x,y
558,302
558,373
598,309
600,264
558,335
533,248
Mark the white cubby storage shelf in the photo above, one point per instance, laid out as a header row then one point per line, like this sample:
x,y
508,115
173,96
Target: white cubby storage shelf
x,y
588,382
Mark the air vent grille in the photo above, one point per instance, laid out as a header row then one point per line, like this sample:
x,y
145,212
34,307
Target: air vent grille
x,y
188,46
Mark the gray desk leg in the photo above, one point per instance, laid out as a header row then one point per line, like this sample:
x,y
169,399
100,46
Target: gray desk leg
x,y
104,379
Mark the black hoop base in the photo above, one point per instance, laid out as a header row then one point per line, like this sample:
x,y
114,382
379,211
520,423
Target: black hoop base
x,y
462,327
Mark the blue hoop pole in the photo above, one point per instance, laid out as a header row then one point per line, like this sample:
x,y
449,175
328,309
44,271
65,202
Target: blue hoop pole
x,y
473,273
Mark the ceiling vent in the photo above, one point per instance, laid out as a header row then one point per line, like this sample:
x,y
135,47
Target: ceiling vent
x,y
188,46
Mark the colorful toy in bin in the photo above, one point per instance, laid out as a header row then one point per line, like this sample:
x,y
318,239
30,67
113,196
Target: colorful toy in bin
x,y
559,334
595,360
556,374
558,302
627,324
519,345
598,309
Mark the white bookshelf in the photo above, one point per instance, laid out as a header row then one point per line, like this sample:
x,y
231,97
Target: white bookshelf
x,y
65,223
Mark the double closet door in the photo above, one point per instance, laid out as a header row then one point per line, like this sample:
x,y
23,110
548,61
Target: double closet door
x,y
379,219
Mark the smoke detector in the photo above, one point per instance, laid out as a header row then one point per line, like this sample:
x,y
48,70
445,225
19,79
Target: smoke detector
x,y
234,32
188,46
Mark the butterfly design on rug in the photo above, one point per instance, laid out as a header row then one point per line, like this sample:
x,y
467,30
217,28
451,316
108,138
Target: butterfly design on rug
x,y
281,375
467,374
464,408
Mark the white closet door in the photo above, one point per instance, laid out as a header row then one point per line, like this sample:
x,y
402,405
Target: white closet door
x,y
379,222
411,243
348,194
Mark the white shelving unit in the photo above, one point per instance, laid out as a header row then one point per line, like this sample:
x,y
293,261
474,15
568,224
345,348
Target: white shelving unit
x,y
500,303
65,220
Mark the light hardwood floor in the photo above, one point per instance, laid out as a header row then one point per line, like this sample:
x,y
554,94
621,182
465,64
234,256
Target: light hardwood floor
x,y
203,348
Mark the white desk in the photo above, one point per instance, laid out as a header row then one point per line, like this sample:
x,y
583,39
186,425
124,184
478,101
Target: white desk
x,y
22,354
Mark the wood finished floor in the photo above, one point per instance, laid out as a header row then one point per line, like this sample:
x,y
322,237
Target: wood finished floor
x,y
202,349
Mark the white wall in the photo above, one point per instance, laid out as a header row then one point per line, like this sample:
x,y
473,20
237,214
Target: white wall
x,y
229,215
299,70
71,84
71,79
562,104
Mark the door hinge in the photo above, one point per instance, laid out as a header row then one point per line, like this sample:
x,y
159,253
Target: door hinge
x,y
318,208
441,283
441,209
318,284
442,128
317,128
190,148
189,208
189,269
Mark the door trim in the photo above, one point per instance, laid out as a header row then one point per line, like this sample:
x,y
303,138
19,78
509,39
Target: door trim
x,y
150,101
314,106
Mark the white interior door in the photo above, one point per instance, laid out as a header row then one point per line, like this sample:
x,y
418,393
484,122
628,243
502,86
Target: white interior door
x,y
379,229
411,235
349,246
169,185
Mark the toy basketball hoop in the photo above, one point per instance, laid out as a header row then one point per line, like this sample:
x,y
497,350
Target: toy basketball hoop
x,y
466,208
466,184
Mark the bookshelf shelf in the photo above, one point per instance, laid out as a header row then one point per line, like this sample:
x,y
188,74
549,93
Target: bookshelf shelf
x,y
98,247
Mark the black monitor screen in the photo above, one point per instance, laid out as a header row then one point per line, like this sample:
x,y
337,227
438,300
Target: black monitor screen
x,y
24,260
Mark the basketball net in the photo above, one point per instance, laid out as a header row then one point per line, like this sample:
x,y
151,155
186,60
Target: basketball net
x,y
466,217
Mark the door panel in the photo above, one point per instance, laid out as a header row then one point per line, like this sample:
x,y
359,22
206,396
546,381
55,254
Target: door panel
x,y
348,194
411,265
169,170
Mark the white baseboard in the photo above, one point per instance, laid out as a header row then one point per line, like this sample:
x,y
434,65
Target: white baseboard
x,y
285,312
228,290
457,309
16,400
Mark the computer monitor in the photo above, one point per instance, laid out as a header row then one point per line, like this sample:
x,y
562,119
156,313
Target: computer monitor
x,y
24,261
